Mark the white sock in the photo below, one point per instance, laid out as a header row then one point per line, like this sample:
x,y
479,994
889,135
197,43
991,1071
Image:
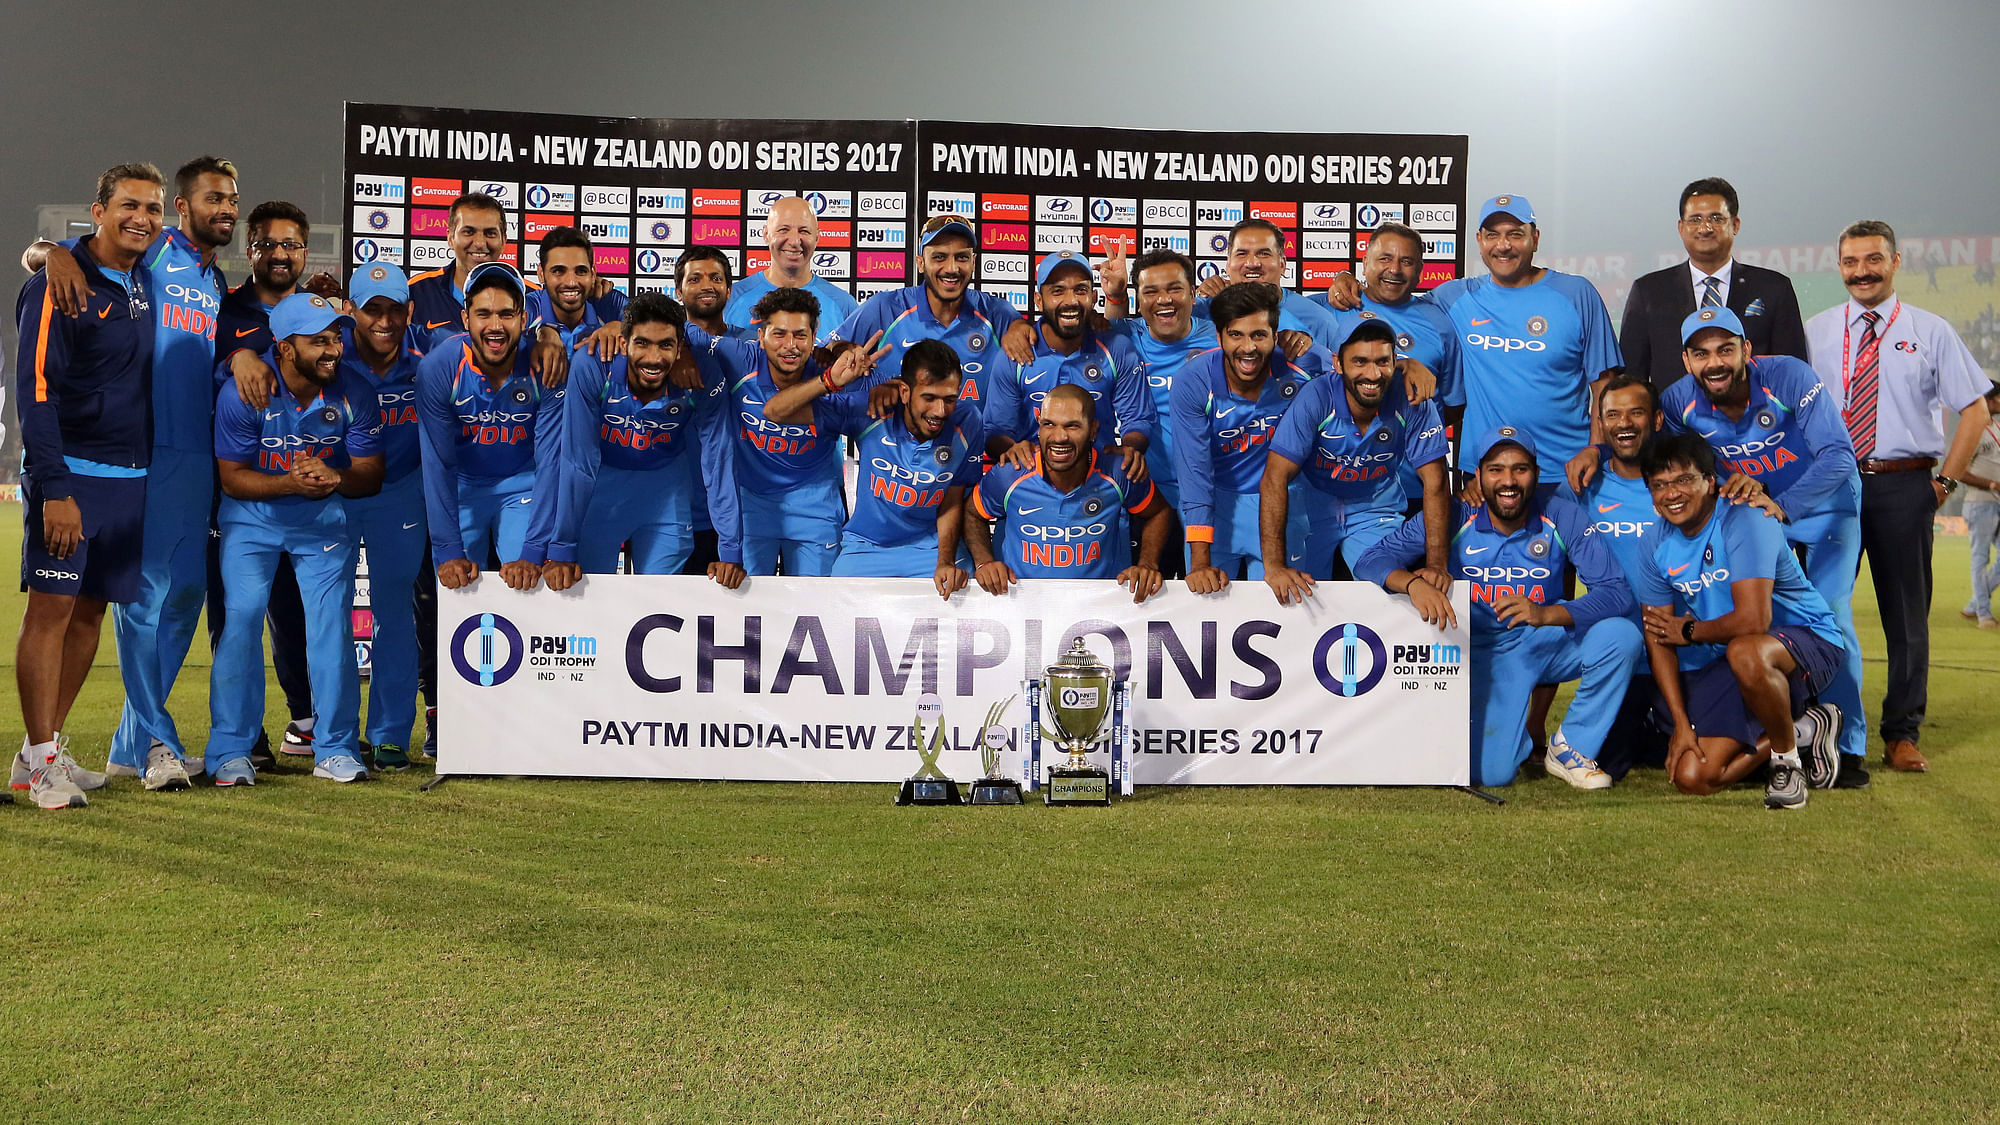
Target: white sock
x,y
305,725
1790,758
41,753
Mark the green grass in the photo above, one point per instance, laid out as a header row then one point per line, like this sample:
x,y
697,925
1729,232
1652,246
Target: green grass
x,y
619,951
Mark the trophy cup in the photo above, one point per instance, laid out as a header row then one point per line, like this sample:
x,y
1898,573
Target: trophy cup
x,y
929,785
1078,690
994,788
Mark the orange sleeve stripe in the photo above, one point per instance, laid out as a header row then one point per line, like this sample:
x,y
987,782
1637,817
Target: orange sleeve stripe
x,y
979,505
1197,533
42,348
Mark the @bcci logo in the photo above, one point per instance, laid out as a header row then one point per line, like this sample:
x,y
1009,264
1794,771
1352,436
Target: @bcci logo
x,y
1350,660
487,650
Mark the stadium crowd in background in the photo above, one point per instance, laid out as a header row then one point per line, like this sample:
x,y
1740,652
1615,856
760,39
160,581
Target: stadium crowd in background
x,y
1671,515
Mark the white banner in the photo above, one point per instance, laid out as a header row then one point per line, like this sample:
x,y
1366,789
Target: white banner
x,y
814,679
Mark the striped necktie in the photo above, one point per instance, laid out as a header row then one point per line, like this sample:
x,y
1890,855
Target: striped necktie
x,y
1861,391
1711,292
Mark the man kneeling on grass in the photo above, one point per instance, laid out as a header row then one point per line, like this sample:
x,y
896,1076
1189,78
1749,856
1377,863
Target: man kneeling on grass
x,y
1742,646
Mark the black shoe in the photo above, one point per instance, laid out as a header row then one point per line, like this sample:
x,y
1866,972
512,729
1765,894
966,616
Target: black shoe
x,y
261,758
1853,772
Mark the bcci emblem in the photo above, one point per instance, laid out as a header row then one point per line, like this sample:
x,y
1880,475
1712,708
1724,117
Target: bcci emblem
x,y
1766,419
1506,431
1539,548
1092,373
674,408
377,273
1503,200
520,395
487,650
329,415
1537,325
944,456
1708,556
1383,436
662,229
1366,315
1708,314
1289,388
1403,342
1092,506
976,342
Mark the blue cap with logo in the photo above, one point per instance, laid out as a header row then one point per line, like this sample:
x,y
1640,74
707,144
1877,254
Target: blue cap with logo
x,y
1515,205
1710,317
1505,435
952,225
305,314
378,279
1053,262
509,276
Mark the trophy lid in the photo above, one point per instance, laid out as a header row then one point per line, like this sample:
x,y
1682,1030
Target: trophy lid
x,y
1079,659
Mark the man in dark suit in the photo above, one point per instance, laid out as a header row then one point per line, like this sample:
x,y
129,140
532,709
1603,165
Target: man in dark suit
x,y
1658,303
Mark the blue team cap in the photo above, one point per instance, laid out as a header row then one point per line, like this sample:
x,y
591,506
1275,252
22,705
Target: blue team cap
x,y
1710,318
1515,205
952,225
511,277
378,279
1505,435
1053,262
305,314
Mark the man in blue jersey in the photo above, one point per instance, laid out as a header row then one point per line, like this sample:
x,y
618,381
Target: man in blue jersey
x,y
986,331
1068,353
1513,549
917,462
478,236
1347,438
390,525
1067,516
631,468
81,388
568,298
701,284
285,472
791,233
491,441
1256,252
1225,406
1741,645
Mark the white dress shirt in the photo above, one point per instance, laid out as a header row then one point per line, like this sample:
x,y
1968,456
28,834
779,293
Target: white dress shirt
x,y
1701,282
1925,370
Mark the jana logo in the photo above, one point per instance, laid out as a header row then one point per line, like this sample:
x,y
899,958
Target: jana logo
x,y
495,654
1350,660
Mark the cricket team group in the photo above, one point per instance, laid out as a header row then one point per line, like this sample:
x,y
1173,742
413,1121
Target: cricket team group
x,y
1676,528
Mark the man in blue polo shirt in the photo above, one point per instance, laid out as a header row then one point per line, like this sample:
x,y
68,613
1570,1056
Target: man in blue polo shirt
x,y
1347,438
567,298
491,442
81,389
1069,353
1740,642
1065,517
1512,549
791,233
917,462
284,471
986,331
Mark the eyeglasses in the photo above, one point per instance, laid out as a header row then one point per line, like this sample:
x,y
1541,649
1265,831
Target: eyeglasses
x,y
1699,221
288,246
1683,482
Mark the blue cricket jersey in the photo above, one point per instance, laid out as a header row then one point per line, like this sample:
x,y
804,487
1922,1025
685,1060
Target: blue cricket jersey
x,y
1424,333
1354,463
1225,438
1046,533
904,317
189,295
339,423
1529,355
1790,436
772,458
242,323
903,480
480,435
1620,511
1693,574
437,309
835,305
1161,361
396,395
1296,313
1528,562
1106,367
596,314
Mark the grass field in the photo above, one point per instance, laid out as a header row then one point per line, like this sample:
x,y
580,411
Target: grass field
x,y
683,952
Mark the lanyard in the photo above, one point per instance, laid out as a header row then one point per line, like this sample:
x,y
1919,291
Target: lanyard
x,y
1845,376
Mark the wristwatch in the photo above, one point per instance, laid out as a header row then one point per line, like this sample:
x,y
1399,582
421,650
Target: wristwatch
x,y
1687,630
1949,484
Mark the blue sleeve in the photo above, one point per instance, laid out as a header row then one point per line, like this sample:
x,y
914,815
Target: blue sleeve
x,y
999,310
1194,451
237,428
1129,395
1600,340
438,443
1425,442
1753,546
1004,409
582,420
1318,321
1826,434
1297,428
1315,361
364,425
1649,587
837,306
548,482
1399,550
1596,567
718,472
989,500
41,361
1673,401
970,466
610,308
874,314
841,412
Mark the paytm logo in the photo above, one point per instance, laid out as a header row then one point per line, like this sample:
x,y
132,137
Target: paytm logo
x,y
1368,216
1114,212
1440,245
1212,211
551,197
660,201
378,250
1175,240
952,203
831,204
379,189
880,234
1058,208
611,228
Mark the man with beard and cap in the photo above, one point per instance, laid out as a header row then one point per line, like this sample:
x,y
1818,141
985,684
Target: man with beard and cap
x,y
980,327
1066,516
1513,549
491,442
791,233
1893,371
917,461
630,467
1069,353
567,266
1225,407
1347,438
1741,645
285,471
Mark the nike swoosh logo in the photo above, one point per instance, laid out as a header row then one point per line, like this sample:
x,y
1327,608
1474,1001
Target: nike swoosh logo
x,y
889,441
436,323
909,343
1477,323
271,417
1033,510
242,332
1675,570
329,546
1708,433
1609,507
176,269
527,499
1035,378
462,401
409,525
1476,550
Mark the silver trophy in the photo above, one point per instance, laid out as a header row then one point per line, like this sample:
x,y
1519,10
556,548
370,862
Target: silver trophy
x,y
994,788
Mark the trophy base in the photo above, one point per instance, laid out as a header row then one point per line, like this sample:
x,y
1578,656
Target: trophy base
x,y
996,791
1087,786
929,791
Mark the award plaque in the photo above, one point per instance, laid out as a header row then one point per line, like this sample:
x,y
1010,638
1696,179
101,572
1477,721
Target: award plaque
x,y
994,788
929,785
1078,691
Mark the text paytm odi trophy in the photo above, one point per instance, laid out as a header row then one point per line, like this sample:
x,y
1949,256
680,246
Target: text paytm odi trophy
x,y
1079,695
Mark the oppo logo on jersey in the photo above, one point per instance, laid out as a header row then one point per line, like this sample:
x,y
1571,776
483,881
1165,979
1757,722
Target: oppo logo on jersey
x,y
776,439
192,296
1702,581
1056,533
638,434
889,468
1506,573
904,496
287,441
1504,343
1615,528
1752,448
398,407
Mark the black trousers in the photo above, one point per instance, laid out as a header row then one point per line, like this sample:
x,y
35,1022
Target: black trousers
x,y
1896,513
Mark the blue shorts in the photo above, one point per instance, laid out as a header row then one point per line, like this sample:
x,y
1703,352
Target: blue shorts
x,y
1715,700
106,564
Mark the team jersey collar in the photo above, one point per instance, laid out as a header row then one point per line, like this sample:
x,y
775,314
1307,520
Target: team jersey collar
x,y
284,389
965,314
351,357
1085,348
1530,521
470,362
619,379
1042,471
181,239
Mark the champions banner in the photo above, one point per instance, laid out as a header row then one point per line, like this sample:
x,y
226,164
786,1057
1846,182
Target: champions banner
x,y
646,189
813,680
